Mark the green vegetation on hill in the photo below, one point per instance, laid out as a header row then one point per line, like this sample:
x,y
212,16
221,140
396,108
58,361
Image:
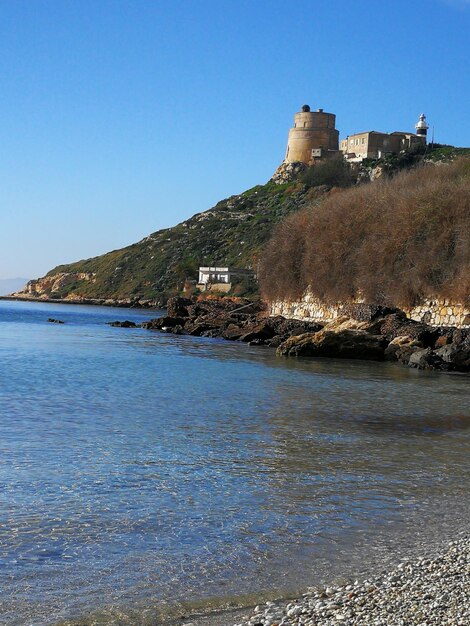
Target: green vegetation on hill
x,y
234,232
394,241
231,233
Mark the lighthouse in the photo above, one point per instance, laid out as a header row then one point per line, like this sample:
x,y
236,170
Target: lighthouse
x,y
422,127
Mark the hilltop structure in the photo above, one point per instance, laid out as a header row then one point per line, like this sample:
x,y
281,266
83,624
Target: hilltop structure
x,y
314,138
375,145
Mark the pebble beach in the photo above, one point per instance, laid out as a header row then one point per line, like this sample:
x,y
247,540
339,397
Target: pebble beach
x,y
425,592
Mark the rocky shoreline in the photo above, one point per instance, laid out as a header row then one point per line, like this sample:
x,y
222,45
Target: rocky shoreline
x,y
369,332
428,591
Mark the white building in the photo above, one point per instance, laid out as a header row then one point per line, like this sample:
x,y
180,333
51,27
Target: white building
x,y
220,278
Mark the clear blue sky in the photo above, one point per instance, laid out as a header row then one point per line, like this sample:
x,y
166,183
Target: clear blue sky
x,y
119,117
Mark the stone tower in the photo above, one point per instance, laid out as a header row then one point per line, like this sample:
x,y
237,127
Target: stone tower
x,y
313,137
422,127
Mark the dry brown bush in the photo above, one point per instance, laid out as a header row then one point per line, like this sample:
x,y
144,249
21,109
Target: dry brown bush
x,y
394,241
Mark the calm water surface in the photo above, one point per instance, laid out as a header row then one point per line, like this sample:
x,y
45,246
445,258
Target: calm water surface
x,y
139,470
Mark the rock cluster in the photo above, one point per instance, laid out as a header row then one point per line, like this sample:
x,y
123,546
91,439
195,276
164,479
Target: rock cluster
x,y
235,319
386,336
288,172
376,333
424,592
123,324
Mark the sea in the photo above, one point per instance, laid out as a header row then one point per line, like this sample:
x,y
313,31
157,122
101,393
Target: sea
x,y
145,476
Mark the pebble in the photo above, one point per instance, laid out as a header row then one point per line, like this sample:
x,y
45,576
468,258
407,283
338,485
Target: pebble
x,y
426,592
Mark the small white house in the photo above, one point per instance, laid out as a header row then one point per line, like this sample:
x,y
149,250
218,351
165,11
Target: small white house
x,y
220,278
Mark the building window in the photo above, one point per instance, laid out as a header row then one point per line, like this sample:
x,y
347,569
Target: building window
x,y
363,140
351,142
357,142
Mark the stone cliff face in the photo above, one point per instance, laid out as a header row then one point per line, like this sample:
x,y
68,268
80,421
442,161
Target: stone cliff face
x,y
54,286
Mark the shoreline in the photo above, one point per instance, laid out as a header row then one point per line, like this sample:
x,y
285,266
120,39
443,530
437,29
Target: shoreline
x,y
431,589
427,585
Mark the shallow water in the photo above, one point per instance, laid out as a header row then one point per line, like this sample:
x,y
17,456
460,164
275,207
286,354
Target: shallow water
x,y
139,470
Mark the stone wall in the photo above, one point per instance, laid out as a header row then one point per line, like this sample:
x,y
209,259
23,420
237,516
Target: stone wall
x,y
441,313
432,312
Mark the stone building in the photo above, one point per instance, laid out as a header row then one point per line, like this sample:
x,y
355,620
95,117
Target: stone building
x,y
220,278
313,137
375,145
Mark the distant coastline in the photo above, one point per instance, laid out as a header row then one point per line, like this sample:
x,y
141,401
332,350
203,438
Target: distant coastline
x,y
88,301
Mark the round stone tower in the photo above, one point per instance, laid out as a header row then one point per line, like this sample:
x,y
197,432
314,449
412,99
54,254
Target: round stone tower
x,y
313,137
422,127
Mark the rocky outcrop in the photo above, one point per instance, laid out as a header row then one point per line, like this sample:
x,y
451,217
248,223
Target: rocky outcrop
x,y
338,344
49,286
124,324
451,357
288,172
401,348
343,338
377,333
234,319
389,336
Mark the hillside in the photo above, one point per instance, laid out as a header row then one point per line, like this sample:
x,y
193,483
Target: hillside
x,y
394,241
234,232
231,233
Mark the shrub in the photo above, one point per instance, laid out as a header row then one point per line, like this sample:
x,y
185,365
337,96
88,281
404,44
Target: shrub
x,y
332,173
395,241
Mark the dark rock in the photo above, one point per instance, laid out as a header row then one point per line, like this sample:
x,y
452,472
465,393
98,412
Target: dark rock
x,y
369,312
232,332
165,321
54,321
124,324
461,336
443,340
177,330
401,348
256,342
397,325
178,307
455,355
200,328
425,360
275,342
283,326
262,330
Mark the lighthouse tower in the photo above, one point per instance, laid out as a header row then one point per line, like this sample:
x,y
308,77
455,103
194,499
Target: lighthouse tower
x,y
422,127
